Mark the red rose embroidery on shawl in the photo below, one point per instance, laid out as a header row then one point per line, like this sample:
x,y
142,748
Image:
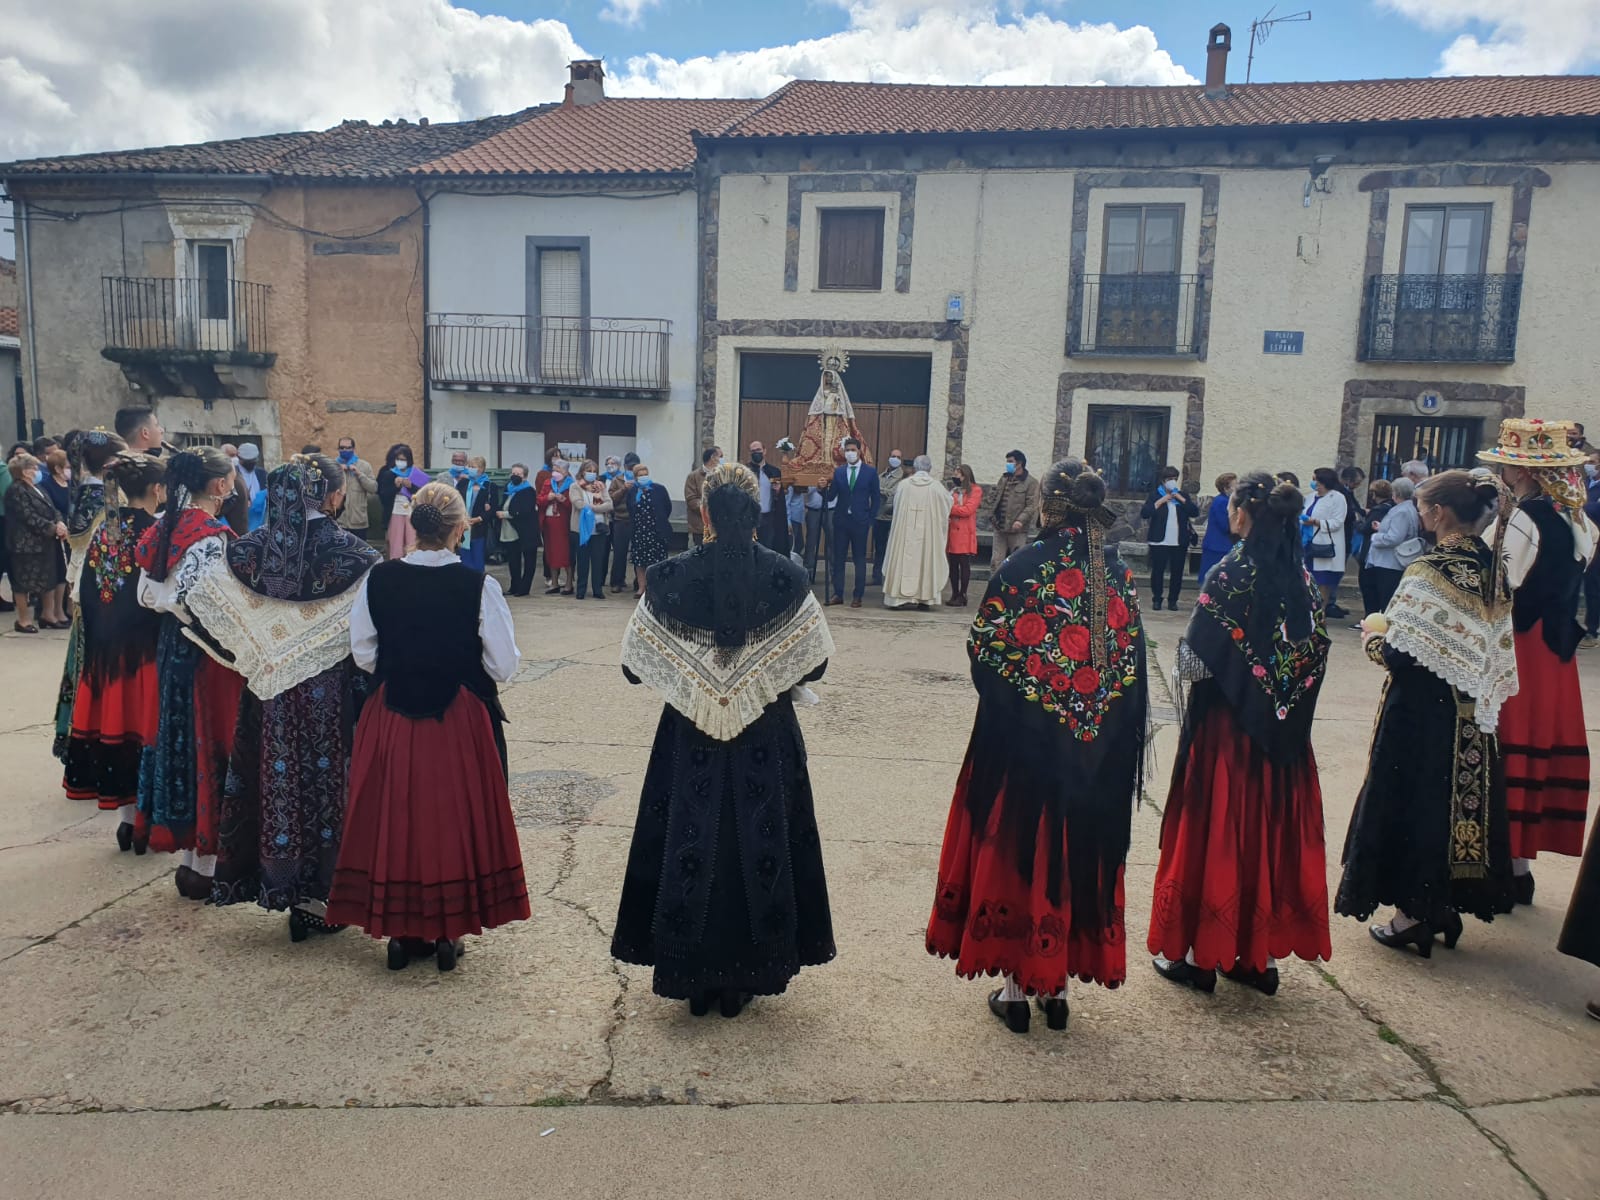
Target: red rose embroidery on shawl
x,y
1030,629
1059,683
1086,680
1069,583
1116,613
1036,668
1074,642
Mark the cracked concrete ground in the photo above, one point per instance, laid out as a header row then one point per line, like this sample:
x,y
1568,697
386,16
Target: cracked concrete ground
x,y
132,1022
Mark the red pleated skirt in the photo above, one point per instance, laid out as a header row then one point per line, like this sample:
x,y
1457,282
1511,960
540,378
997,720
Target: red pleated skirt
x,y
1545,748
993,922
1243,870
553,533
430,847
113,720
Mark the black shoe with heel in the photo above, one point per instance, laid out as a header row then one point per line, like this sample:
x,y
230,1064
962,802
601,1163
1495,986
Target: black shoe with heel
x,y
1522,888
1265,982
448,952
1419,936
399,956
1450,930
1055,1012
1183,972
125,838
1013,1012
699,1004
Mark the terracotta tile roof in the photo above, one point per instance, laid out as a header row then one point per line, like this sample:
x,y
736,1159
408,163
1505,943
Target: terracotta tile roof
x,y
808,108
613,136
8,322
351,150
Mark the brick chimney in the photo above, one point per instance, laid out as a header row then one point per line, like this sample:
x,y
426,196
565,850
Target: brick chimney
x,y
587,84
1221,41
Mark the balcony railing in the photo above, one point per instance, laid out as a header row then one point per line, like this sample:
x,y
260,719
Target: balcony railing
x,y
212,319
572,355
1441,318
1152,316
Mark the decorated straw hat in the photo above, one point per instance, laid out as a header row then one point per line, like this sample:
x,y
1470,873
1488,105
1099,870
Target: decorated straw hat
x,y
1533,443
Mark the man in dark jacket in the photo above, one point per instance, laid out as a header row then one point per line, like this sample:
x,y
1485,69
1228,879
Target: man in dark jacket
x,y
1169,510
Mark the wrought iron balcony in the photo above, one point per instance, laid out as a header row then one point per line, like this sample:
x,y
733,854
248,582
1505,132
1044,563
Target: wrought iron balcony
x,y
1441,318
199,320
1138,316
568,356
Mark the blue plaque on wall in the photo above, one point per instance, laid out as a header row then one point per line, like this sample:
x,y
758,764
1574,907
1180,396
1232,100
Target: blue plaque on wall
x,y
1283,341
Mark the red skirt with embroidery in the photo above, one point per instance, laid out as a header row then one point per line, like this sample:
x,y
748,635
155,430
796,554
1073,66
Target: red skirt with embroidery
x,y
430,847
993,922
216,716
1243,870
113,720
1545,748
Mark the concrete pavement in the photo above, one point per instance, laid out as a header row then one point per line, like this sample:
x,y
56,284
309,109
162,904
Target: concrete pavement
x,y
132,1022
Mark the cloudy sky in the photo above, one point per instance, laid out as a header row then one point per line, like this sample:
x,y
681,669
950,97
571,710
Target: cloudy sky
x,y
80,75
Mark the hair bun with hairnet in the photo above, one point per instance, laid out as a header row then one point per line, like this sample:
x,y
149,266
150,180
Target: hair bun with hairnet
x,y
428,520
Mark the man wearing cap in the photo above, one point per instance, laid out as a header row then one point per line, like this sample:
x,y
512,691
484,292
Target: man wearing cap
x,y
255,477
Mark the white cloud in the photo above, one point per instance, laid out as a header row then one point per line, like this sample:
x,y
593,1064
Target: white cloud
x,y
105,74
1524,37
627,12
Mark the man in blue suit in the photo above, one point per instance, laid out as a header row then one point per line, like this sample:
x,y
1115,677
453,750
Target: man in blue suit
x,y
855,487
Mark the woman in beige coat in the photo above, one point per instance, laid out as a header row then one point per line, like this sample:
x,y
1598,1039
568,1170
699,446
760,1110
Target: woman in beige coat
x,y
591,522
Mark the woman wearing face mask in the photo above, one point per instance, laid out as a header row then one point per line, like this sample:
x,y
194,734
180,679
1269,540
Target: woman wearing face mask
x,y
430,850
519,529
34,532
115,704
555,527
279,605
398,482
591,519
181,776
652,524
962,545
617,476
482,504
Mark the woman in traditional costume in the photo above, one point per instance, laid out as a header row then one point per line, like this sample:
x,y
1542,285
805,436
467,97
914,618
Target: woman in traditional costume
x,y
1543,741
398,484
1429,830
651,507
89,453
181,775
1030,877
430,849
725,894
278,607
1242,880
555,522
115,703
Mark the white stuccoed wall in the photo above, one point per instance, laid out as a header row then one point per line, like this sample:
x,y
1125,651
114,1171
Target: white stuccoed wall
x,y
642,263
1002,239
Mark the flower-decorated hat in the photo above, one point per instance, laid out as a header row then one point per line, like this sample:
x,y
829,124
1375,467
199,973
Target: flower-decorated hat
x,y
1533,443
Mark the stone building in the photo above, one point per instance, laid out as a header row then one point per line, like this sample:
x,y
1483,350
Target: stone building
x,y
262,289
1221,277
13,412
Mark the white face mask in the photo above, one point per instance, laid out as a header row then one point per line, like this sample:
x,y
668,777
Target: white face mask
x,y
894,461
850,456
401,464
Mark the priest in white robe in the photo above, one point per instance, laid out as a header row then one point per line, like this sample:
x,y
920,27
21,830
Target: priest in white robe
x,y
915,570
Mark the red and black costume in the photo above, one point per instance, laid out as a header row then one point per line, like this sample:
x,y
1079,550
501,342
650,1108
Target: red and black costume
x,y
1242,877
1030,877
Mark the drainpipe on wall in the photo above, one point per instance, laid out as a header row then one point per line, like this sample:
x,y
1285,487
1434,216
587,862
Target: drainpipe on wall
x,y
20,219
427,355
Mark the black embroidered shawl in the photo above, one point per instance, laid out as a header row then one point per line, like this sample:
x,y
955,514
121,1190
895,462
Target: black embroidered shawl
x,y
1270,679
297,554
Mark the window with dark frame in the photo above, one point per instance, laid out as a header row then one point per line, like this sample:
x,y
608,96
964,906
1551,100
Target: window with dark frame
x,y
1445,239
850,249
1440,296
1139,299
1128,446
211,269
1444,443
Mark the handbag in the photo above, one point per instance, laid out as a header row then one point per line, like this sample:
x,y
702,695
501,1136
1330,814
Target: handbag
x,y
1314,549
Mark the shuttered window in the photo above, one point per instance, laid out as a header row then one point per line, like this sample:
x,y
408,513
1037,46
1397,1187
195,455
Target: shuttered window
x,y
561,314
851,252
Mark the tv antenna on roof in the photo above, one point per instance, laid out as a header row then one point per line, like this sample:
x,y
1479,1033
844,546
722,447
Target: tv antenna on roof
x,y
1262,26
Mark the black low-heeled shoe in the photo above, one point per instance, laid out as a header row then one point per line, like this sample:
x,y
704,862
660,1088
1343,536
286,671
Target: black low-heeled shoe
x,y
700,1004
731,1003
303,924
399,956
1450,930
1055,1011
1522,888
1265,982
1183,972
448,953
1419,936
124,838
1013,1012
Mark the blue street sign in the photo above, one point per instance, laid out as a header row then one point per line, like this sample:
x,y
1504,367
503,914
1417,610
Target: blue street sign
x,y
1283,341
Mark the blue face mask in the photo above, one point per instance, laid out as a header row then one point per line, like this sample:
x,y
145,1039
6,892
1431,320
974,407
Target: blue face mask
x,y
38,476
589,476
347,456
457,472
1011,468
